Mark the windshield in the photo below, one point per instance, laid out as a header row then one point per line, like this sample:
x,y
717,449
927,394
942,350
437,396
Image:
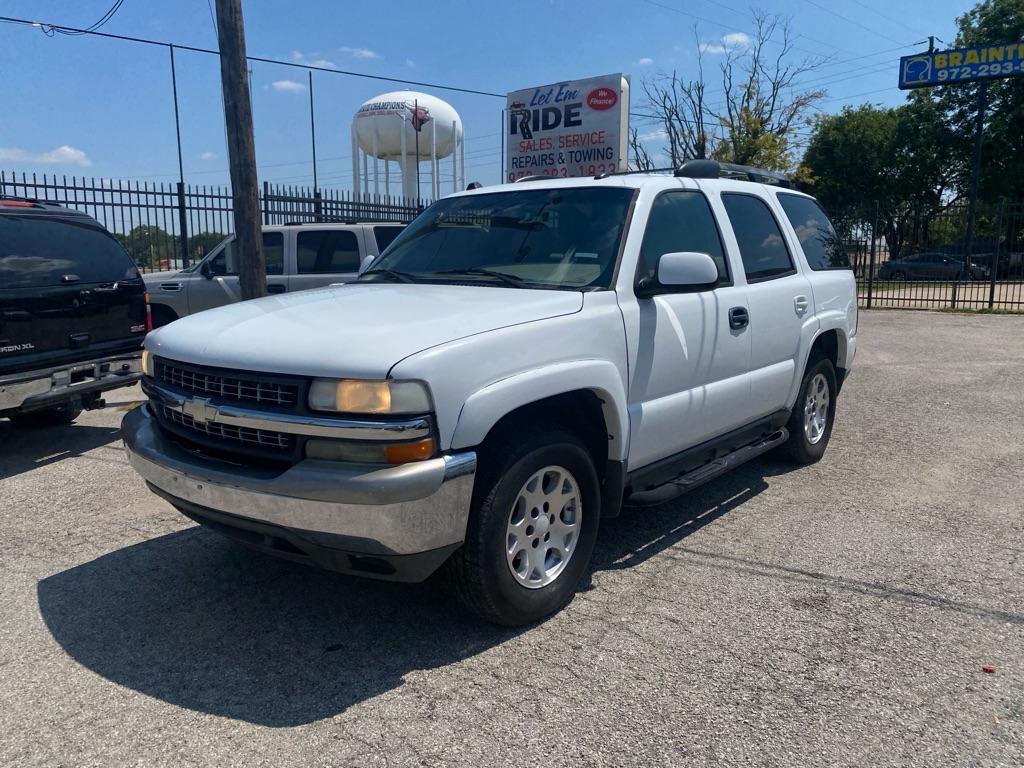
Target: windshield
x,y
564,239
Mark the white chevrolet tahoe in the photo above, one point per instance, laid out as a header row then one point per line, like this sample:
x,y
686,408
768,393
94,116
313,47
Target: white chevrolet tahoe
x,y
520,361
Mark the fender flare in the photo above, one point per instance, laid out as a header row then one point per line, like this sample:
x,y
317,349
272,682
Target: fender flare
x,y
485,407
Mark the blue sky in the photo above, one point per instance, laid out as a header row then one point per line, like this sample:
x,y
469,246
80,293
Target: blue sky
x,y
103,108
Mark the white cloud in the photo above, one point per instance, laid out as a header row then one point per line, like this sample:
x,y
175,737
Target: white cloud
x,y
313,60
62,155
410,64
736,40
646,61
359,53
208,156
725,43
655,135
287,86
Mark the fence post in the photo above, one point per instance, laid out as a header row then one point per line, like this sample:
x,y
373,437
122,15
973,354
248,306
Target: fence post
x,y
266,201
183,224
317,205
871,262
995,254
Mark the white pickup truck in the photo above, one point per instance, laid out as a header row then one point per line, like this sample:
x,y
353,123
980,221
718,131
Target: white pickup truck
x,y
520,361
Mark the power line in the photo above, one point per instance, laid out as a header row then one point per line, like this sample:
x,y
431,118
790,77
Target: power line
x,y
263,60
850,21
50,29
882,16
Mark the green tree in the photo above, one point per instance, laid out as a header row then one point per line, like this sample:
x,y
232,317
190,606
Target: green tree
x,y
1002,169
149,245
901,165
202,243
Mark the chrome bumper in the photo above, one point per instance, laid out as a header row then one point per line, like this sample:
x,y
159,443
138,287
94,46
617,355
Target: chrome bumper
x,y
65,381
375,510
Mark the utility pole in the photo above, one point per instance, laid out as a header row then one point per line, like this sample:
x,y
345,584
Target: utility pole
x,y
252,269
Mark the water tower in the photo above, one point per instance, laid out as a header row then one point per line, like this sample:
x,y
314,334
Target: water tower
x,y
406,128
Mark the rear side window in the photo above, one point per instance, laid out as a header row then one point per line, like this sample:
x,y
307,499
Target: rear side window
x,y
37,251
680,221
384,236
226,262
328,250
820,243
762,247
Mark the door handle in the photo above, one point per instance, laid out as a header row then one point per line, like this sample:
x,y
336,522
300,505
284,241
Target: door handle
x,y
170,286
276,288
738,318
801,304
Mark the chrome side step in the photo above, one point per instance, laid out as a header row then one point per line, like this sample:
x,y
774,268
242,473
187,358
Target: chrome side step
x,y
706,472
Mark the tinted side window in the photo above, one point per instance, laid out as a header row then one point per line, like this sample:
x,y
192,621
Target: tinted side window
x,y
328,250
384,236
37,251
680,221
226,262
762,247
820,243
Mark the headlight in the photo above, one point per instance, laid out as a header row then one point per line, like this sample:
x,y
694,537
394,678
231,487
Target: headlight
x,y
147,363
367,396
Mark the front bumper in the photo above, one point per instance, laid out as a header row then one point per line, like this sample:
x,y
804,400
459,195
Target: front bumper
x,y
396,522
52,386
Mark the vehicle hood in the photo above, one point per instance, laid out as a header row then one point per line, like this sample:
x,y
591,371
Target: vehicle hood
x,y
359,330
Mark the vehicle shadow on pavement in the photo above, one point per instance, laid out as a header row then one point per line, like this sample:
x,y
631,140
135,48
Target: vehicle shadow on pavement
x,y
199,622
22,450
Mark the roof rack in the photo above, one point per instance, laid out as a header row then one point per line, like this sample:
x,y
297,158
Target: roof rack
x,y
534,177
712,169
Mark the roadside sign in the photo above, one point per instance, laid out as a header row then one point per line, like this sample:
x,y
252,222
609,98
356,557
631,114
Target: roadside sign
x,y
574,128
961,65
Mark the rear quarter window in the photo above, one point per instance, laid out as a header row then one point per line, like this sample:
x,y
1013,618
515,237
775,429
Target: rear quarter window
x,y
818,238
384,235
37,251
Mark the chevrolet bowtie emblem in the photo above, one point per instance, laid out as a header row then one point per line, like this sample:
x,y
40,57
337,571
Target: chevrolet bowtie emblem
x,y
199,409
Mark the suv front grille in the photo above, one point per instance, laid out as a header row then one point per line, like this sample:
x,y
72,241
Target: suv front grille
x,y
245,387
263,438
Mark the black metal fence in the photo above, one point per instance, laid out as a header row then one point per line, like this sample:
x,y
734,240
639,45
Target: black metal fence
x,y
939,263
172,225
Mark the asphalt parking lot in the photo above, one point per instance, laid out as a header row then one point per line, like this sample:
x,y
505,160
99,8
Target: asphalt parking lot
x,y
836,615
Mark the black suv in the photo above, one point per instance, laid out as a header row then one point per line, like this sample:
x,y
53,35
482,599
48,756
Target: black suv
x,y
73,312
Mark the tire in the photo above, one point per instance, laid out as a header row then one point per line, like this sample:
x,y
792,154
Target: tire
x,y
515,467
808,438
48,417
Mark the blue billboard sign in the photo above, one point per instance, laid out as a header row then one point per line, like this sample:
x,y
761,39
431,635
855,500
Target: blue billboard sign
x,y
961,65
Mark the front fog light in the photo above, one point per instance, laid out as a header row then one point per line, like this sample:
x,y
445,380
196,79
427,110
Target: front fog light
x,y
367,396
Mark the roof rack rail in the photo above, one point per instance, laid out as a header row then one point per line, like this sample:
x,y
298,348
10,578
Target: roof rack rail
x,y
534,177
712,169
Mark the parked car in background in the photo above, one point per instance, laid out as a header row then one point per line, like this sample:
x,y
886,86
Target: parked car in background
x,y
518,362
72,312
298,257
931,266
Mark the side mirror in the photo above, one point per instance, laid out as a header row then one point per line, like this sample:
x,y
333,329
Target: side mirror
x,y
206,270
365,263
681,272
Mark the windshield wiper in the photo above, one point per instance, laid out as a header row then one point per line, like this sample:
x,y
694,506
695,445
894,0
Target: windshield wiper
x,y
513,280
402,277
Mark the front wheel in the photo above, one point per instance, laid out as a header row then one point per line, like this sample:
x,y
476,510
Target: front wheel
x,y
810,423
532,528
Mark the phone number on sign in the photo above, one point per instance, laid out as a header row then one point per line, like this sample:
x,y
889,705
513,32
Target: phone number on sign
x,y
565,172
980,70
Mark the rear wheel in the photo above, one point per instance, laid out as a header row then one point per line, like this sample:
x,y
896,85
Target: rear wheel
x,y
810,423
47,417
531,530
